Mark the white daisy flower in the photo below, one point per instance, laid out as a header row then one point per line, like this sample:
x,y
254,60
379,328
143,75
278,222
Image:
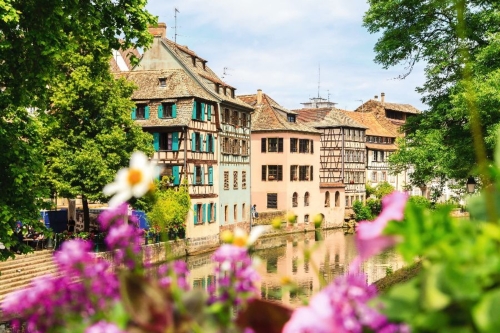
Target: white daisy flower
x,y
134,181
241,238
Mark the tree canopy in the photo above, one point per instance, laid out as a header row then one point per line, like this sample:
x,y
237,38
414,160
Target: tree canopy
x,y
458,42
35,38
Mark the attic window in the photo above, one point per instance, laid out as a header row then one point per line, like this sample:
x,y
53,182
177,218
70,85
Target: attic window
x,y
291,118
163,82
204,62
194,61
217,88
232,93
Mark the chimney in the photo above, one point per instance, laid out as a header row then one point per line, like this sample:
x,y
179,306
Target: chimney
x,y
376,97
259,96
382,98
159,31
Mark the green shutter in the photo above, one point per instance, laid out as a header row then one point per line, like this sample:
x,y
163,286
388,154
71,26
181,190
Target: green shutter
x,y
210,175
193,141
201,142
202,169
209,112
156,141
203,111
175,173
134,110
207,140
209,212
195,213
146,116
160,111
204,211
194,110
174,111
213,143
175,141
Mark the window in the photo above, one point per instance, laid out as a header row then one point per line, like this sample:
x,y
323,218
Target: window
x,y
244,120
198,111
273,172
226,213
167,110
243,211
244,147
166,141
293,172
306,218
225,146
347,201
382,157
327,199
361,198
211,212
304,172
163,82
306,199
244,180
293,145
383,178
198,175
196,141
272,200
303,146
210,143
337,199
198,214
140,112
275,145
226,118
235,118
375,156
235,180
374,176
235,149
226,180
290,118
295,199
235,213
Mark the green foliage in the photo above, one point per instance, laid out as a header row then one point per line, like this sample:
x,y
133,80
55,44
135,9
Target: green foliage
x,y
170,210
420,201
370,190
382,189
361,212
375,206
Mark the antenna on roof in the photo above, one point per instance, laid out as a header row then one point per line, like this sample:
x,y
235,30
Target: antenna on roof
x,y
224,73
175,27
328,95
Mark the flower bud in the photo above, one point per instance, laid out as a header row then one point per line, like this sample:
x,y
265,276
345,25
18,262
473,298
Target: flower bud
x,y
227,236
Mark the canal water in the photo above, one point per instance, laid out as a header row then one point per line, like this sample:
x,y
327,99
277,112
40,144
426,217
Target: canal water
x,y
282,257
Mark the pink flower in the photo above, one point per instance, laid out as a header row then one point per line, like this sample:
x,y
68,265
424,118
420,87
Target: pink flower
x,y
369,237
103,327
315,318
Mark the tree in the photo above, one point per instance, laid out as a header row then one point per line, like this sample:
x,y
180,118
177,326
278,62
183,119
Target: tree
x,y
90,134
34,35
458,41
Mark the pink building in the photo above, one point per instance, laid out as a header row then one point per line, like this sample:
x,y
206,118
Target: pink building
x,y
285,164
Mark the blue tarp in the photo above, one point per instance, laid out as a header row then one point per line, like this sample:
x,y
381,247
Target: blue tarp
x,y
141,216
57,220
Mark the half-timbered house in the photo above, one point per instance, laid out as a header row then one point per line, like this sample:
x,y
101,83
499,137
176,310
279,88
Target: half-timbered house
x,y
342,152
181,101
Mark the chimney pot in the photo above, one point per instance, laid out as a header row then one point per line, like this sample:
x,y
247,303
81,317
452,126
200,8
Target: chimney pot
x,y
376,97
159,30
382,98
259,96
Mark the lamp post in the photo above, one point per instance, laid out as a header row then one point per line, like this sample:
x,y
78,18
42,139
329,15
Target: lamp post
x,y
471,185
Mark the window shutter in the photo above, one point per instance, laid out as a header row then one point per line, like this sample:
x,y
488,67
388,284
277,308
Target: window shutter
x,y
202,171
203,111
175,173
133,115
194,110
312,147
201,142
156,141
175,141
204,212
264,171
311,173
210,175
146,113
263,145
215,212
160,111
280,145
209,112
193,141
208,140
280,172
174,111
195,213
291,172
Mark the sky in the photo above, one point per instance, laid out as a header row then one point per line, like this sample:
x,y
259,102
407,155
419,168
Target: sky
x,y
291,49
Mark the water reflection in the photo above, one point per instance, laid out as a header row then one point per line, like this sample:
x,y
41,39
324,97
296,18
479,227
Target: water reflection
x,y
282,256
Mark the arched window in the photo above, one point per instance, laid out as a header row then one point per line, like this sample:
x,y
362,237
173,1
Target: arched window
x,y
327,199
306,199
295,201
337,199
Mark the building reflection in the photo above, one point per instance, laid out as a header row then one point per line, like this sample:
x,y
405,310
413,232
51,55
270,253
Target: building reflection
x,y
282,258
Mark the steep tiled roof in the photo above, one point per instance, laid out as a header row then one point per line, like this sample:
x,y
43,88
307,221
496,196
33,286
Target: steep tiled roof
x,y
270,116
205,75
407,108
379,146
378,127
327,117
120,61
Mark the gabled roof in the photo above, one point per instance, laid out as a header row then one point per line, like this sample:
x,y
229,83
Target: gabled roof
x,y
327,117
373,105
407,108
120,61
270,116
375,126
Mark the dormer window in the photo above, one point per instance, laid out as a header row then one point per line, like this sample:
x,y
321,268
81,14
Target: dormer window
x,y
194,61
217,88
163,82
232,93
291,118
141,112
